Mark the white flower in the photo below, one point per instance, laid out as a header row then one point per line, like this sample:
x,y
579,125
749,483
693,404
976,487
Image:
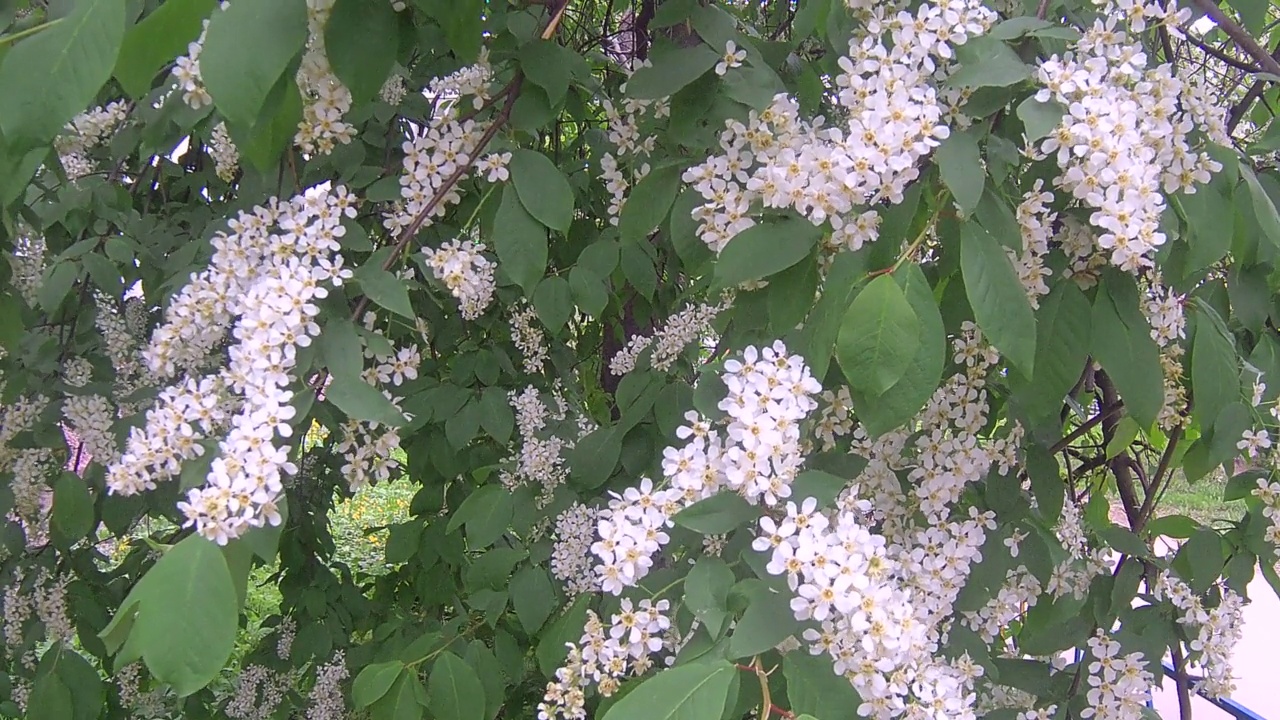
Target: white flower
x,y
733,58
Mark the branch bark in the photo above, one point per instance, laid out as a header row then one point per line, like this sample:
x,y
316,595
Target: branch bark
x,y
1240,36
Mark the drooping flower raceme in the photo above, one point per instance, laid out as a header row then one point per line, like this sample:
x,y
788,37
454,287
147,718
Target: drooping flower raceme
x,y
261,288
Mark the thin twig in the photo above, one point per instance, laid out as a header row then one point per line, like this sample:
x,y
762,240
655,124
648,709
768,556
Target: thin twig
x,y
1238,34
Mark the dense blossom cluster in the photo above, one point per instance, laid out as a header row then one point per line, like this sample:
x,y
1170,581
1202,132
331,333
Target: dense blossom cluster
x,y
1126,132
1163,308
829,173
468,273
1215,631
605,656
692,324
226,157
546,428
27,262
754,451
529,339
573,534
368,448
262,286
186,70
86,131
325,100
1036,221
620,173
1119,684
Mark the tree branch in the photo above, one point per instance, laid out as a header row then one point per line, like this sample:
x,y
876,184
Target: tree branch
x,y
1238,34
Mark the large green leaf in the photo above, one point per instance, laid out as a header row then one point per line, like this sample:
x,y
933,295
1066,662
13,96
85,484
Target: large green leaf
x,y
520,242
1263,207
997,297
649,202
240,81
356,41
533,598
402,701
542,188
1063,332
716,515
894,407
486,513
454,692
47,79
960,163
878,337
191,580
157,39
988,62
814,687
374,681
698,691
72,516
361,401
385,289
672,69
1215,372
766,623
1122,344
764,249
707,593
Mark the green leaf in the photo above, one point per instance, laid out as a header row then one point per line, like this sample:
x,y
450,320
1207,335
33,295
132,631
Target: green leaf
x,y
891,409
361,401
57,283
821,486
717,514
191,580
698,691
764,249
1215,374
374,681
104,273
542,188
240,81
385,289
533,598
1125,433
402,701
486,513
1126,351
987,62
673,68
960,163
553,302
999,302
546,64
496,416
791,295
157,39
593,458
50,698
47,79
707,593
566,628
1174,526
453,690
1264,209
814,687
340,348
1125,541
72,516
1063,331
878,337
1208,211
767,622
649,202
82,679
520,241
1200,559
356,41
1040,118
11,327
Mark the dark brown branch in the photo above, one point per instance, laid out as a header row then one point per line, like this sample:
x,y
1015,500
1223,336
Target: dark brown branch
x,y
1104,414
1221,54
1241,38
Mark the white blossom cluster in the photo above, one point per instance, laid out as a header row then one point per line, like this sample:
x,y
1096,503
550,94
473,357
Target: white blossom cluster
x,y
835,419
369,449
1035,220
830,173
325,701
529,339
606,656
757,454
1216,632
260,690
573,535
692,324
393,89
1126,133
543,434
620,173
442,147
85,132
29,467
1019,593
90,417
226,157
1163,309
186,70
27,263
463,268
1072,575
325,100
44,598
1119,685
262,285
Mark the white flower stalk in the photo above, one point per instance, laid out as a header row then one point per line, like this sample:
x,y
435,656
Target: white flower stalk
x,y
325,100
1126,134
463,268
264,279
226,158
85,132
1216,631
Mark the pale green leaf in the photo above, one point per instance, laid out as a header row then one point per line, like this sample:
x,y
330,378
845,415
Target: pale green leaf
x,y
533,598
878,337
374,681
157,39
361,401
672,69
718,514
1039,118
358,41
240,81
960,162
453,690
385,289
542,188
520,241
764,249
698,691
995,293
